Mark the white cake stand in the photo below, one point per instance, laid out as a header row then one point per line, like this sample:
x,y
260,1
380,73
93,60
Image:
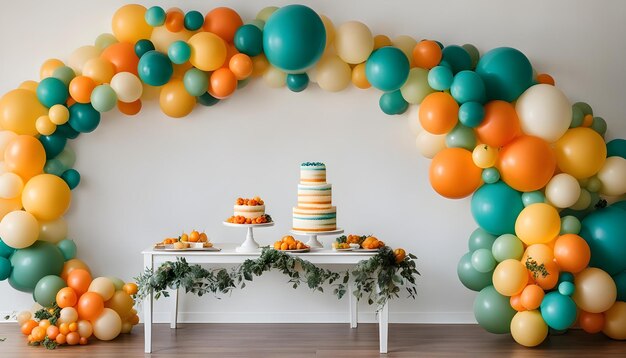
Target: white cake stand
x,y
313,242
250,245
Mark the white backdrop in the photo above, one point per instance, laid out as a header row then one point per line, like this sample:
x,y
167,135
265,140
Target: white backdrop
x,y
148,177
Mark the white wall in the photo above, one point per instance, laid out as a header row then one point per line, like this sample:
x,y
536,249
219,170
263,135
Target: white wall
x,y
149,176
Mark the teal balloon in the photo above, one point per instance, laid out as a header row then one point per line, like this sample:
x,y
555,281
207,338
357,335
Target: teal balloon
x,y
458,58
559,311
179,52
297,82
619,205
103,98
68,248
393,103
55,167
193,20
294,38
118,283
53,144
67,157
570,225
84,118
620,282
207,100
473,52
599,125
461,137
483,260
51,91
467,86
155,16
387,69
495,208
249,40
604,231
567,288
33,263
471,114
5,250
584,107
533,197
471,278
155,68
506,247
493,311
143,46
490,175
616,147
566,277
65,74
5,268
46,290
440,78
480,239
578,117
243,83
506,72
67,131
196,82
71,178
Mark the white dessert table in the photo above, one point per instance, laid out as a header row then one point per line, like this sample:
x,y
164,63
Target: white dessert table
x,y
228,255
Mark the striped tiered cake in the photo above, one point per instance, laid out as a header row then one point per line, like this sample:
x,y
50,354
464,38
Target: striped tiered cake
x,y
314,212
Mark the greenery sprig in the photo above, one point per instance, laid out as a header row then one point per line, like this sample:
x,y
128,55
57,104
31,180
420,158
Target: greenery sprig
x,y
536,268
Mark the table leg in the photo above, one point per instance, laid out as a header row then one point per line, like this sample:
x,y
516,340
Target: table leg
x,y
147,308
174,319
354,305
383,327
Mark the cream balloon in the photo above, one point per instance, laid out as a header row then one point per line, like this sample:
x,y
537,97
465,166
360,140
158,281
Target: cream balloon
x,y
53,231
5,137
80,56
430,144
68,315
333,74
416,87
406,44
127,86
162,38
412,117
126,327
544,112
107,326
330,30
615,321
595,290
354,42
274,77
613,176
85,329
528,328
563,190
23,316
19,229
11,185
102,286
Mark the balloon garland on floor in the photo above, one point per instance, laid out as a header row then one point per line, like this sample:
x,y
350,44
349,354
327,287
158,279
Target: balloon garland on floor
x,y
548,252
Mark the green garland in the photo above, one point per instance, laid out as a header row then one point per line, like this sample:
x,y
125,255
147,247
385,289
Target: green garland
x,y
378,278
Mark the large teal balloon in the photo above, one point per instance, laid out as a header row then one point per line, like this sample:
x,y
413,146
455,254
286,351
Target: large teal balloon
x,y
620,282
53,144
33,263
471,278
51,91
155,68
616,147
5,250
387,68
507,73
294,38
249,40
493,311
605,232
559,311
495,208
84,118
393,103
619,205
47,288
5,268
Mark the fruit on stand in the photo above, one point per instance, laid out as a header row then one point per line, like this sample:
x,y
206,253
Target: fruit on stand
x,y
184,240
400,254
263,219
289,243
371,243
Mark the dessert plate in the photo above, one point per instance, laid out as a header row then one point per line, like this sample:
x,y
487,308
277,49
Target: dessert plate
x,y
296,250
170,247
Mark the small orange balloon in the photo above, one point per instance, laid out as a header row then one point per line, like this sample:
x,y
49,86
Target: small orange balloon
x,y
174,20
438,113
130,288
222,83
532,296
527,163
572,253
130,108
545,78
25,156
381,41
587,120
453,173
500,124
540,253
79,280
591,322
516,303
66,297
359,79
122,56
223,22
48,67
71,265
241,65
81,87
427,54
72,338
90,306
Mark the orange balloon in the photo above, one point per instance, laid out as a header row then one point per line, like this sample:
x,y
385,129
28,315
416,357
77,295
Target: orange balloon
x,y
222,83
129,109
175,101
122,56
90,306
580,152
516,303
438,113
79,280
591,322
81,87
500,124
19,110
223,22
549,281
174,20
527,163
71,265
66,297
381,41
545,79
572,253
48,67
427,54
358,77
180,70
453,173
25,156
241,66
231,51
531,297
540,253
129,24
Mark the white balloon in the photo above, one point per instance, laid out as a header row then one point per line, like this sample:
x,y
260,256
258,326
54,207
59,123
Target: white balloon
x,y
5,138
563,190
53,231
544,112
413,118
416,87
430,144
354,42
613,176
107,326
127,86
68,315
80,56
11,185
19,229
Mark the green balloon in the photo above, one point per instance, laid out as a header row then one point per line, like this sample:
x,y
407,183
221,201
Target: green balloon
x,y
207,100
490,175
584,107
533,197
54,166
461,137
47,288
105,40
473,52
577,117
243,83
65,74
33,263
493,311
480,239
117,282
393,103
68,249
71,178
507,246
471,278
196,82
594,185
67,157
103,98
620,282
155,68
570,225
51,91
599,125
483,260
84,118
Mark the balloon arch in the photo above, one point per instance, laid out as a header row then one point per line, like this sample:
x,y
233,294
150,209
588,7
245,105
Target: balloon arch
x,y
548,253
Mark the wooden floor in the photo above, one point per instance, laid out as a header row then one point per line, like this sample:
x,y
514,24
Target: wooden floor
x,y
317,340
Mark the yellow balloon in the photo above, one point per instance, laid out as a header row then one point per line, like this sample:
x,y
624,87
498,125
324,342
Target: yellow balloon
x,y
208,51
528,328
615,321
48,67
120,302
332,74
102,286
85,329
580,152
595,290
46,196
175,101
99,69
59,114
81,56
274,77
53,231
29,85
19,229
485,156
129,24
260,65
19,110
538,224
44,125
354,42
510,277
150,92
162,38
330,30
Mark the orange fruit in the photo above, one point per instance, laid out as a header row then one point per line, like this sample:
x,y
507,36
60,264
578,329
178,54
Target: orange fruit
x,y
284,246
203,237
52,332
130,288
83,341
64,328
184,237
73,327
277,245
61,338
292,246
194,236
28,326
72,338
38,334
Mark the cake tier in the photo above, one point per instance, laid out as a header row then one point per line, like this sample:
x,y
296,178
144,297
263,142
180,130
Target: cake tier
x,y
315,196
249,211
312,173
314,220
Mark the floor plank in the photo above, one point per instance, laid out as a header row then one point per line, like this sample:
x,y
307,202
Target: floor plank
x,y
318,340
